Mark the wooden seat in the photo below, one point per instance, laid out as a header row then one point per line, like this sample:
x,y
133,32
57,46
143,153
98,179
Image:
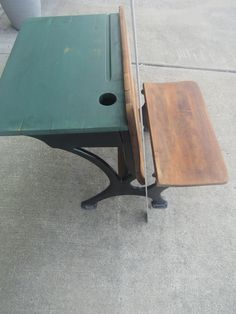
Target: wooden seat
x,y
184,145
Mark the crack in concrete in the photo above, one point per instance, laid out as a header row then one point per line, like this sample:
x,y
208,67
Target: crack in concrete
x,y
185,67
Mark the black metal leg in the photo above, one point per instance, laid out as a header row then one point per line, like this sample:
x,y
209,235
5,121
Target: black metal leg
x,y
154,192
118,185
91,203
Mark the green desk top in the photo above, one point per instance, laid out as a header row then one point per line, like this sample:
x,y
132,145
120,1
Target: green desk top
x,y
57,71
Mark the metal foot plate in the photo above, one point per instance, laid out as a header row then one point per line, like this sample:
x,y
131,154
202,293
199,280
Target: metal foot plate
x,y
159,204
88,206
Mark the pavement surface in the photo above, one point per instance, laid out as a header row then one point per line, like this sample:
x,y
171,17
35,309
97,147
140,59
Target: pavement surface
x,y
57,258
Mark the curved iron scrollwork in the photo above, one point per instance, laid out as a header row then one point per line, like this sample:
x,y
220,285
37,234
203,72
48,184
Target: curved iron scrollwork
x,y
117,185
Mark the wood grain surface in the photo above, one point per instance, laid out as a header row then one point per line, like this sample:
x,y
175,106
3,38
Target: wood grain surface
x,y
131,100
184,145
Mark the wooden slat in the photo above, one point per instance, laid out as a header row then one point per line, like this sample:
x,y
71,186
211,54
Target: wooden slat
x,y
132,110
184,144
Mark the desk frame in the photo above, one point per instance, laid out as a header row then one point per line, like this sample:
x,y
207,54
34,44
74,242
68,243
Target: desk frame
x,y
121,181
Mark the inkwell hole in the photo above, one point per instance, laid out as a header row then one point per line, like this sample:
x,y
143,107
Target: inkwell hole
x,y
107,99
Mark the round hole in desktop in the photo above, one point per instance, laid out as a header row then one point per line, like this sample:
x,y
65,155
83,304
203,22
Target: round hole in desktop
x,y
107,99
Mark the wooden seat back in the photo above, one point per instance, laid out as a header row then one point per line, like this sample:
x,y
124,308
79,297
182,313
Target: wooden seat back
x,y
131,100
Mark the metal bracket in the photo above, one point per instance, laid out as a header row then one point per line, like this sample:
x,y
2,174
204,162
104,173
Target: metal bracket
x,y
118,185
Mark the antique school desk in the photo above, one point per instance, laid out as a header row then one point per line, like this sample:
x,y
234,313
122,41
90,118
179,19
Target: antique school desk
x,y
63,84
68,82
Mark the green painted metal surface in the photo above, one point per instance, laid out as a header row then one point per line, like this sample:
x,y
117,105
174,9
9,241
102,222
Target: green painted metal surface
x,y
57,71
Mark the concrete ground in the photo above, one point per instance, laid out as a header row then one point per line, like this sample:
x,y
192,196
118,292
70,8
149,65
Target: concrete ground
x,y
57,258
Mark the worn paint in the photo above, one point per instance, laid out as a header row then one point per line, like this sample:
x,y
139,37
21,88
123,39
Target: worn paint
x,y
67,49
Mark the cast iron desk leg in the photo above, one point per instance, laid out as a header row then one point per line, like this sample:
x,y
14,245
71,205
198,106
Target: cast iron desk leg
x,y
118,185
